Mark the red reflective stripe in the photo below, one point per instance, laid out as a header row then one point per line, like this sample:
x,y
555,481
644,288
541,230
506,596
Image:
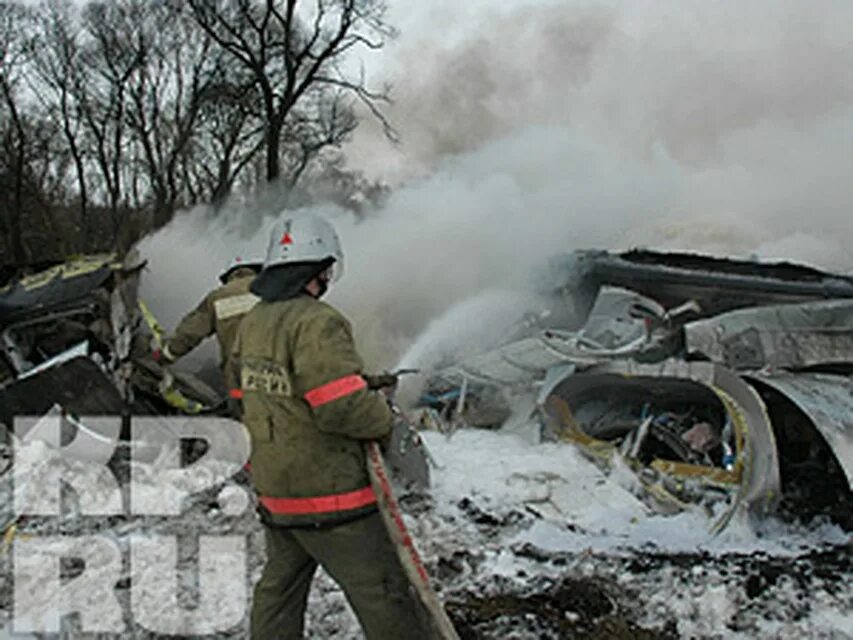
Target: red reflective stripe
x,y
320,504
235,394
335,389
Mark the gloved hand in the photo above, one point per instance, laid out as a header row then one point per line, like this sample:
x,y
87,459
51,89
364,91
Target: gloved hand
x,y
161,354
381,380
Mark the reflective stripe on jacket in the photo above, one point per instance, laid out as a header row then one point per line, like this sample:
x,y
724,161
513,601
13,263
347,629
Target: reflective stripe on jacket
x,y
307,409
220,312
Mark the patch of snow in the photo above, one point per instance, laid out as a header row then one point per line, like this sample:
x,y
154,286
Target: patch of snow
x,y
507,516
583,508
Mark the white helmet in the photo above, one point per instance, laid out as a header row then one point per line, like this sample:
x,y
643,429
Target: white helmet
x,y
238,262
304,237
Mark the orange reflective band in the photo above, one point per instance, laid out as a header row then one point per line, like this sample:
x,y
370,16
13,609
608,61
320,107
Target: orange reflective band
x,y
235,394
320,504
335,389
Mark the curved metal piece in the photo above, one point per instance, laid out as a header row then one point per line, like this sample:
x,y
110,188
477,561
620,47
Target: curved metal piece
x,y
827,400
781,336
757,470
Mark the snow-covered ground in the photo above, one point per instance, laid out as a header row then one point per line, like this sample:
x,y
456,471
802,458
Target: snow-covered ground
x,y
528,540
531,519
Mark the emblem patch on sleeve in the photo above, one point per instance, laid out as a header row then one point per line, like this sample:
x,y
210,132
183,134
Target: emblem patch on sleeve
x,y
265,376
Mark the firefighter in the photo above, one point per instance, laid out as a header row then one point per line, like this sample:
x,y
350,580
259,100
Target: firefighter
x,y
219,312
309,410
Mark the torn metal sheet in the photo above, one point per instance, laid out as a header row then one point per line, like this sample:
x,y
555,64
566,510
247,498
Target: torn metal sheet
x,y
406,452
89,298
616,327
828,402
56,286
513,364
701,319
782,336
81,349
754,472
554,377
86,309
717,284
78,385
618,318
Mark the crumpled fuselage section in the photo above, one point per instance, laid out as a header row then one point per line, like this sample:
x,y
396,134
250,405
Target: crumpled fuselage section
x,y
715,382
72,340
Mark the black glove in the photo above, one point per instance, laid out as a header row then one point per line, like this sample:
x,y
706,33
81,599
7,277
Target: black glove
x,y
381,380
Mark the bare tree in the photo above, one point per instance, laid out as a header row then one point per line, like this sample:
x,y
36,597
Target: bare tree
x,y
229,136
167,91
102,90
57,64
13,47
294,49
323,119
114,113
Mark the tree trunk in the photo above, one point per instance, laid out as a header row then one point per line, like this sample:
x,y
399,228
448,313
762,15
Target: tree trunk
x,y
19,254
16,241
78,165
273,151
163,208
222,189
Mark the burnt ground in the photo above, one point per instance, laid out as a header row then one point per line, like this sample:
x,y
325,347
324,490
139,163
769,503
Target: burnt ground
x,y
612,602
495,587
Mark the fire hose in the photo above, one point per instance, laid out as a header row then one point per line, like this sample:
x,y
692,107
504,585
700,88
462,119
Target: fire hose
x,y
408,555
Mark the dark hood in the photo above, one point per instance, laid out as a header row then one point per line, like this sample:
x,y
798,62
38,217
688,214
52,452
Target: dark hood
x,y
284,282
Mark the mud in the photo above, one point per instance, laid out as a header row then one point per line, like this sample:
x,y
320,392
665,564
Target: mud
x,y
567,608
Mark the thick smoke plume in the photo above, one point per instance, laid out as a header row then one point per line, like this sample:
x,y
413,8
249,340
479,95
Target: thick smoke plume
x,y
541,127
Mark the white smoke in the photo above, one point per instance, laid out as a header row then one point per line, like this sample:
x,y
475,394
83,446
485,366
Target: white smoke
x,y
531,128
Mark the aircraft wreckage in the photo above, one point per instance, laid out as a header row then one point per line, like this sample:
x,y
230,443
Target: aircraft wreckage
x,y
715,382
73,340
718,382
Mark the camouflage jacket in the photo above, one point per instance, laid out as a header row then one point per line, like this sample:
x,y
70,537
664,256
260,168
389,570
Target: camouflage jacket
x,y
308,409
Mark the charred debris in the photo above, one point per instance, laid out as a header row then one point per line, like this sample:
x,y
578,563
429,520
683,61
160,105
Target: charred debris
x,y
716,382
73,340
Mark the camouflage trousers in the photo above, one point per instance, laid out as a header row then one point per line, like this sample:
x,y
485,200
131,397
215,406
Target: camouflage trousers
x,y
359,556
